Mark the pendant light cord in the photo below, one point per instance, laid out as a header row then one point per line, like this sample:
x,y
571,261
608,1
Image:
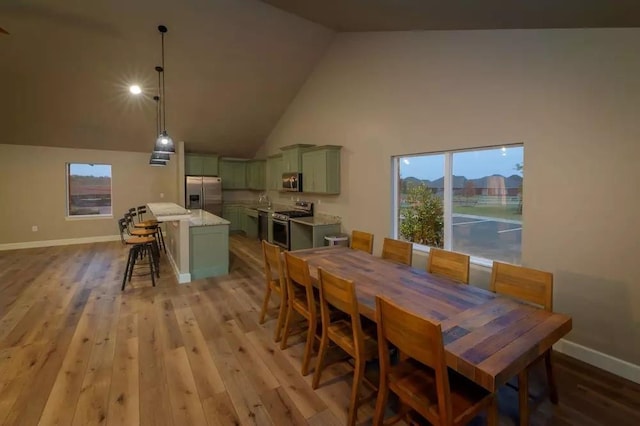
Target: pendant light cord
x,y
163,98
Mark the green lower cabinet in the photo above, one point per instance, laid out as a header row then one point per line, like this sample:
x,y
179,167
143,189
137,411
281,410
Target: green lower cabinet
x,y
208,251
232,214
307,236
251,223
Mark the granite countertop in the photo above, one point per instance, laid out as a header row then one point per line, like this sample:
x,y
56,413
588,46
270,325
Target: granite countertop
x,y
168,211
317,220
204,218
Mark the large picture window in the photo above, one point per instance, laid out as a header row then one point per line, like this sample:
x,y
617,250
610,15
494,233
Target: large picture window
x,y
467,201
88,190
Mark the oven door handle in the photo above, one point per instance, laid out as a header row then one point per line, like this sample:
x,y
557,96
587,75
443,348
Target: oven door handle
x,y
281,222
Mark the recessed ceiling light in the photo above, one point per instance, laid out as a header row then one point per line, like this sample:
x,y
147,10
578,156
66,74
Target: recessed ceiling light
x,y
135,89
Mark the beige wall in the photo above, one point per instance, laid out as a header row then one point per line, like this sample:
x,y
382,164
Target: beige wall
x,y
571,96
33,190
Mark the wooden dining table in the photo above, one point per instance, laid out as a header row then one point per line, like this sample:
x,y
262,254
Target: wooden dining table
x,y
488,338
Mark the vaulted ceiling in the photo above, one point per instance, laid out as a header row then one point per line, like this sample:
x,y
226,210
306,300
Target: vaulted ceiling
x,y
232,66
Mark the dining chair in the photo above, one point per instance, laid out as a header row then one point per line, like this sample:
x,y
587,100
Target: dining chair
x,y
346,332
421,379
275,282
449,264
362,241
397,251
300,299
535,287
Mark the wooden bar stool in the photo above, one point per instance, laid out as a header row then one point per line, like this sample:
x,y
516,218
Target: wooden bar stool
x,y
140,247
155,225
141,210
144,232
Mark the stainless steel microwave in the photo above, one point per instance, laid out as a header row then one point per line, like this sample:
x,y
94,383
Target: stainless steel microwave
x,y
292,182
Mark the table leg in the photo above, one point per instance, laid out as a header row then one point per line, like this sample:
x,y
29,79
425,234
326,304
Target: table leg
x,y
523,396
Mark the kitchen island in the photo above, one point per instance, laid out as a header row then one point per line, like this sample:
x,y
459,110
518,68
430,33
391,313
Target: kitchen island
x,y
197,241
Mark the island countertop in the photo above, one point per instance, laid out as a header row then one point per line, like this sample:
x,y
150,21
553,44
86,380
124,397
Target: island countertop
x,y
166,212
204,218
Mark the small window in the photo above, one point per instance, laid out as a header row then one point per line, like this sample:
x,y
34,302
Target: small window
x,y
88,190
467,201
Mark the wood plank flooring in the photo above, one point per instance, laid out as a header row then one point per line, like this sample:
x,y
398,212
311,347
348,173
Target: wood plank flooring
x,y
75,350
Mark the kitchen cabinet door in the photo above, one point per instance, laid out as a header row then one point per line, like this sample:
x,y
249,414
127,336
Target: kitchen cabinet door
x,y
210,165
274,169
192,165
321,170
233,174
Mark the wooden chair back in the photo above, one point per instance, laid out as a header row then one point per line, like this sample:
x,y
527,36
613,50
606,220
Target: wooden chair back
x,y
297,276
362,241
341,294
449,263
526,284
273,270
397,251
417,338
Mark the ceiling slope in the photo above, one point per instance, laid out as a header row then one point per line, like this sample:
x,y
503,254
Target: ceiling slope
x,y
232,68
403,15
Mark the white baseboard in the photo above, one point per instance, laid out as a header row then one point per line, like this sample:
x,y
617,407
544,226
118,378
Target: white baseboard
x,y
598,359
63,242
182,278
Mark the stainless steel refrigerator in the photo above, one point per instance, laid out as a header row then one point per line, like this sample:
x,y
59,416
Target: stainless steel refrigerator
x,y
204,192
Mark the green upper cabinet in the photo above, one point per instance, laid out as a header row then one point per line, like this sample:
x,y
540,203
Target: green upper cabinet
x,y
274,171
292,158
233,174
200,165
321,170
257,175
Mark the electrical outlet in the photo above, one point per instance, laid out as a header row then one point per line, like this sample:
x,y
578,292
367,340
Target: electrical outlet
x,y
318,203
162,195
34,228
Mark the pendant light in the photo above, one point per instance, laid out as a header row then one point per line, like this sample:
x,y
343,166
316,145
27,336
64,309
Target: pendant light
x,y
164,143
158,158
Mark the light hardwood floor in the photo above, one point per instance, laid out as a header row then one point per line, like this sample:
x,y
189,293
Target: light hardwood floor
x,y
75,350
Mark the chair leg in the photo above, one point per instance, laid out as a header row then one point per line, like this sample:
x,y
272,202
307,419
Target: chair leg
x,y
136,252
126,269
265,303
287,325
358,374
322,352
161,239
523,396
282,313
551,380
381,402
308,347
152,264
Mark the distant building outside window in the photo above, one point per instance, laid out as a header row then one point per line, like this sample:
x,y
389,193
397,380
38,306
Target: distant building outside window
x,y
88,190
467,201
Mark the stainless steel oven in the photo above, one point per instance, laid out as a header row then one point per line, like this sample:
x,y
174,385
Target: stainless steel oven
x,y
281,232
281,226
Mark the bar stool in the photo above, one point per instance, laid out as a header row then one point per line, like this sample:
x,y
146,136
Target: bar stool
x,y
142,210
140,247
130,227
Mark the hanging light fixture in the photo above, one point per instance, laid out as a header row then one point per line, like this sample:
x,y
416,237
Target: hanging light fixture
x,y
164,143
158,158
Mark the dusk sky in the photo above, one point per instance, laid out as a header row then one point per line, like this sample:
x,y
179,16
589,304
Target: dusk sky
x,y
89,170
471,164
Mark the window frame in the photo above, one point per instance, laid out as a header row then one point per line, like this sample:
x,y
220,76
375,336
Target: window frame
x,y
447,197
68,215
